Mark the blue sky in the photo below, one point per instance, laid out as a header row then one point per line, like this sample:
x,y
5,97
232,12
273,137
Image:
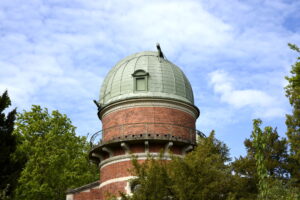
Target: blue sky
x,y
235,54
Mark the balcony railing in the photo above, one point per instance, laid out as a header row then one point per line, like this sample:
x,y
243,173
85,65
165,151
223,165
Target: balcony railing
x,y
144,130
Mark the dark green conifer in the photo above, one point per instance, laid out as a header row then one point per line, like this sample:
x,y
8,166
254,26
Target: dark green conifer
x,y
8,171
293,120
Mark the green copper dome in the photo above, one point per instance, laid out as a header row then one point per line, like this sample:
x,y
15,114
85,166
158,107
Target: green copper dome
x,y
145,75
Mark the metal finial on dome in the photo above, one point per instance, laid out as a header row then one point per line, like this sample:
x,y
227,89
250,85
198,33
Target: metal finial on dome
x,y
99,107
160,53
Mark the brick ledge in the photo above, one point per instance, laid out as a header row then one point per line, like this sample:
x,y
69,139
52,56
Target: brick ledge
x,y
84,187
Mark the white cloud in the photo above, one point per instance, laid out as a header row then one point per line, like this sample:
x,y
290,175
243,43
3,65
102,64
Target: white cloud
x,y
212,116
262,103
56,35
175,24
241,98
57,53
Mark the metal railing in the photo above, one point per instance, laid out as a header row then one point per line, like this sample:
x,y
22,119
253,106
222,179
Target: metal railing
x,y
167,130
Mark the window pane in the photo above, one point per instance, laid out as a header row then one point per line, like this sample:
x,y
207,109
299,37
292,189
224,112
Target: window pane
x,y
140,84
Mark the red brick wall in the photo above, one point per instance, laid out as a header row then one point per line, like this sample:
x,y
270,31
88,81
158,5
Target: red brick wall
x,y
108,172
127,117
83,196
174,122
176,150
115,170
102,193
138,148
118,151
112,189
157,148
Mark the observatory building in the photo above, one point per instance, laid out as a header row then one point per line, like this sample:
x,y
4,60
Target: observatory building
x,y
146,107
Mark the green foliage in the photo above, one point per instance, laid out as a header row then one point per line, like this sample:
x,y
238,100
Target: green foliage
x,y
56,157
282,190
201,174
266,147
293,120
260,139
153,182
9,169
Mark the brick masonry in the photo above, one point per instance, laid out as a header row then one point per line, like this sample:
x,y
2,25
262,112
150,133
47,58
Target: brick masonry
x,y
130,121
155,120
103,193
115,170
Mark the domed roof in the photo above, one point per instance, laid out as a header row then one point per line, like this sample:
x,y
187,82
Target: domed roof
x,y
145,75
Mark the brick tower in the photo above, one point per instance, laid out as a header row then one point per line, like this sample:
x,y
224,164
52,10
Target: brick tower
x,y
146,106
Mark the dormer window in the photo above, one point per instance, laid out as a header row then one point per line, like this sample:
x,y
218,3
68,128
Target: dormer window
x,y
140,78
140,84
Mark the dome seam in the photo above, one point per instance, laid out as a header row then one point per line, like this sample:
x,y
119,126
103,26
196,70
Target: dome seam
x,y
174,78
162,83
137,59
106,86
184,82
122,77
115,72
133,57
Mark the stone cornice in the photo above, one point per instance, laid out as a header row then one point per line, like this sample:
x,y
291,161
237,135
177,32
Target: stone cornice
x,y
83,188
150,102
138,156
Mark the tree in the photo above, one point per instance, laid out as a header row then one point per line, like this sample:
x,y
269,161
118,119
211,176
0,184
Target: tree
x,y
293,120
260,139
201,174
56,157
282,190
153,179
266,151
245,169
9,169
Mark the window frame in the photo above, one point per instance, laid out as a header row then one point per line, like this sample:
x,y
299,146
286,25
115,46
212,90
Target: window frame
x,y
139,75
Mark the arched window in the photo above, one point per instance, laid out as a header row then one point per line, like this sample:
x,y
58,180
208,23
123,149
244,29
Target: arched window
x,y
140,78
134,185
